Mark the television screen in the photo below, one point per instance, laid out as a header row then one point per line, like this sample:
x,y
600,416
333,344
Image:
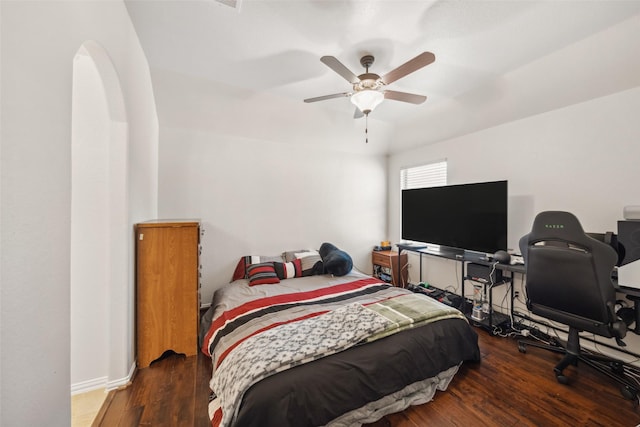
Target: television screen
x,y
468,216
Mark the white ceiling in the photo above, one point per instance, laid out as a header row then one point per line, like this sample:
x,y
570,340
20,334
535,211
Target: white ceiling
x,y
216,68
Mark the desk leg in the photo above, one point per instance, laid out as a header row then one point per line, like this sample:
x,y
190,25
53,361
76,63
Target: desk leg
x,y
463,304
491,325
403,285
513,284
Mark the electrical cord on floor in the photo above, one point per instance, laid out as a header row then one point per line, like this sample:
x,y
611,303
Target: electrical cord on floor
x,y
533,328
497,330
599,350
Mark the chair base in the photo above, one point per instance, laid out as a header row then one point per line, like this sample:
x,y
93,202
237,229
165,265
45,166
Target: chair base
x,y
611,367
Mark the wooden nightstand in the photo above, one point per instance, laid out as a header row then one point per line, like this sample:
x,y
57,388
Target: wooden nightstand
x,y
385,267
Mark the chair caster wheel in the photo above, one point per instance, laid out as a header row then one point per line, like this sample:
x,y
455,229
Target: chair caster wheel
x,y
560,377
522,348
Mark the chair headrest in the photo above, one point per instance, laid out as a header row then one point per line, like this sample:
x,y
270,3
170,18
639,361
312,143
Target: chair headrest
x,y
557,225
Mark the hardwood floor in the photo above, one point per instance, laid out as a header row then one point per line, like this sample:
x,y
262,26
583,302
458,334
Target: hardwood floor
x,y
506,388
171,392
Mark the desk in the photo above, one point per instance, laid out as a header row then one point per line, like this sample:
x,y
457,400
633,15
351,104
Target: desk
x,y
459,255
464,257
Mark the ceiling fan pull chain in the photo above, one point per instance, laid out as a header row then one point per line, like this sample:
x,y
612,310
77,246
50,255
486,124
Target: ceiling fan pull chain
x,y
366,128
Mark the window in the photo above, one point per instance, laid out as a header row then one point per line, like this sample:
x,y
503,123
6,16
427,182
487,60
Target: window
x,y
429,175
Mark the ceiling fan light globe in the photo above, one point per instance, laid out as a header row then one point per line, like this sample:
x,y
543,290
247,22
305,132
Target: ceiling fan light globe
x,y
367,100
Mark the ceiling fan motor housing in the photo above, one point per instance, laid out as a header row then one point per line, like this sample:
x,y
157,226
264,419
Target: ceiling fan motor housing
x,y
368,81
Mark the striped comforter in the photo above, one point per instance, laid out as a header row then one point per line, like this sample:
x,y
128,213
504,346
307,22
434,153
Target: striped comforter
x,y
262,336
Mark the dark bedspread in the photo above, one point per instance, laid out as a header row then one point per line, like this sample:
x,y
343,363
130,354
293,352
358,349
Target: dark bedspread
x,y
307,395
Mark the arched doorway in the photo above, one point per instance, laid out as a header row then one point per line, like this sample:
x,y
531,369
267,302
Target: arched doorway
x,y
101,330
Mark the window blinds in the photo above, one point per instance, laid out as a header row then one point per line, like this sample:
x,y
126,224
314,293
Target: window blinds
x,y
429,175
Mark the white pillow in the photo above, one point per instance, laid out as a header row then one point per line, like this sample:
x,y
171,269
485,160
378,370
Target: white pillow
x,y
307,254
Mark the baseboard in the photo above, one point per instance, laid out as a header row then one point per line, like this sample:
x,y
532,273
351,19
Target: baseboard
x,y
112,385
89,385
102,382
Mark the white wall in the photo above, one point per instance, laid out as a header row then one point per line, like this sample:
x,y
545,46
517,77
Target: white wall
x,y
39,41
1,212
258,197
581,159
89,225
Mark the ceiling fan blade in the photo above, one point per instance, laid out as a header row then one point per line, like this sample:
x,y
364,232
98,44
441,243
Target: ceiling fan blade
x,y
404,97
358,114
422,60
339,68
322,98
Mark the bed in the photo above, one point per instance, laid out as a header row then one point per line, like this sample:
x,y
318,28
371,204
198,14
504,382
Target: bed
x,y
321,349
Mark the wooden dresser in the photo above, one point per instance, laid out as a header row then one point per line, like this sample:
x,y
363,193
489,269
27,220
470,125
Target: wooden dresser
x,y
167,285
385,267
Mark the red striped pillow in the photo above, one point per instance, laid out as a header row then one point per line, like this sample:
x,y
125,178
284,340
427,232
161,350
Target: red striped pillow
x,y
241,268
262,274
288,270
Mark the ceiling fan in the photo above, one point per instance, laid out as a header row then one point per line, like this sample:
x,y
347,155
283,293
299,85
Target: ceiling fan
x,y
368,88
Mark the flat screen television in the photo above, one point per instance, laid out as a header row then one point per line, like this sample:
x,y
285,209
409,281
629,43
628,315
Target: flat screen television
x,y
472,217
